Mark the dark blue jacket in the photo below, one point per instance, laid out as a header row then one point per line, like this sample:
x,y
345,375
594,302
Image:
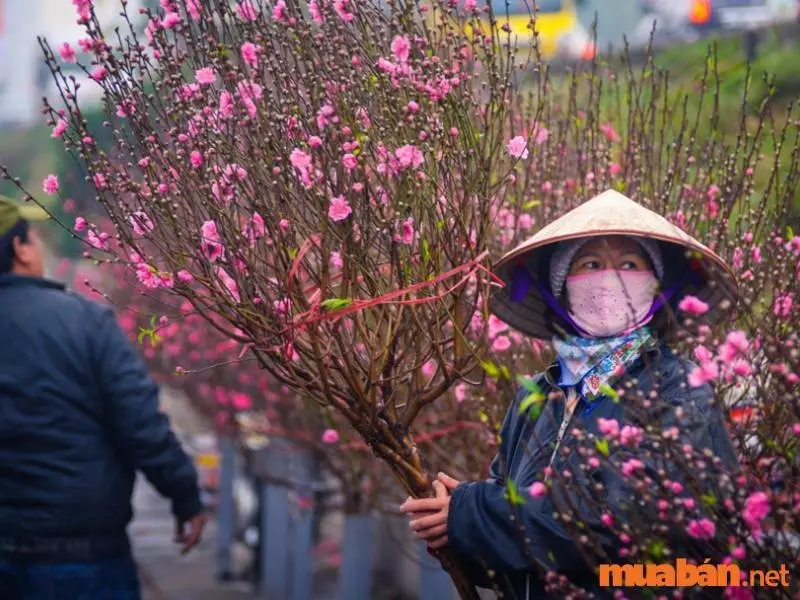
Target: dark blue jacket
x,y
480,526
79,415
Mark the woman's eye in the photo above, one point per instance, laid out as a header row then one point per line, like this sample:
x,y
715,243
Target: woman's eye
x,y
629,265
591,264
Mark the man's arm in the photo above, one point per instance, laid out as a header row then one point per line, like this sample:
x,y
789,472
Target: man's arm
x,y
139,430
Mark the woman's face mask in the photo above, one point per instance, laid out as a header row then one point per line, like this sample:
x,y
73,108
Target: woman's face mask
x,y
611,302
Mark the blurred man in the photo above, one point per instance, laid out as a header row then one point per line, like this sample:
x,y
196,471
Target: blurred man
x,y
78,417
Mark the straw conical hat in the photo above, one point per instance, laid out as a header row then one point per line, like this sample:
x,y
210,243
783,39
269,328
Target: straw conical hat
x,y
610,213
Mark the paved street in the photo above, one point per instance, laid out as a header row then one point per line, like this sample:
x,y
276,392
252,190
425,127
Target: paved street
x,y
165,574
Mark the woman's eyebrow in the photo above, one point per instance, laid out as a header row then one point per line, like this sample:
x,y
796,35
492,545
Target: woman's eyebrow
x,y
587,254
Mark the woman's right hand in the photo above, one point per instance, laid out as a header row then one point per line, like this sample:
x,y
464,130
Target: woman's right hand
x,y
430,514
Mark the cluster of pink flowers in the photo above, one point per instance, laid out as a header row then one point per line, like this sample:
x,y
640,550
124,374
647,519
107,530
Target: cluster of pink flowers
x,y
210,243
732,354
702,529
756,509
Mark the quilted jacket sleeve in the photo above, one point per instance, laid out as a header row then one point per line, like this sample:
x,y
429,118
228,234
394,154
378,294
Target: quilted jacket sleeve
x,y
140,431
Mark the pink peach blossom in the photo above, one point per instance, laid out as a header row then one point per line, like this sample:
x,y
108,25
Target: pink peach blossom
x,y
756,509
340,8
540,134
703,374
608,427
782,306
537,489
67,53
349,161
330,436
171,20
196,159
702,529
278,11
229,284
631,436
501,344
141,223
99,181
247,11
59,129
406,233
249,53
693,306
315,12
98,73
610,133
339,209
409,156
210,244
632,466
518,147
50,185
401,48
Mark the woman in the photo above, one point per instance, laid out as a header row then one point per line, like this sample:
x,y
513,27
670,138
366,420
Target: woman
x,y
601,282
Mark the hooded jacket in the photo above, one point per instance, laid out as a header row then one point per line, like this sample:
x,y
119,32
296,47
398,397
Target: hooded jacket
x,y
486,530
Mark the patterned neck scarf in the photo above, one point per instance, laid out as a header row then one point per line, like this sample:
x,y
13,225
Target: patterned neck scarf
x,y
592,363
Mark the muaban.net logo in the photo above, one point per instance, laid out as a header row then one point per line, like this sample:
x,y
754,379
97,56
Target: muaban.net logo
x,y
685,574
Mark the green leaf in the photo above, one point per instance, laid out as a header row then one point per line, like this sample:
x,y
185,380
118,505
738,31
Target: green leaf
x,y
609,392
142,333
334,304
789,232
531,400
426,251
528,383
512,493
504,372
490,368
709,499
292,253
535,411
531,204
602,447
655,551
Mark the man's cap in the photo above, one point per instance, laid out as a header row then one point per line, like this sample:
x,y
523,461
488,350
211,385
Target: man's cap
x,y
11,212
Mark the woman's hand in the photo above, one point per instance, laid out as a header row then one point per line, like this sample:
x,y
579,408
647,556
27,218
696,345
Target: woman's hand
x,y
430,514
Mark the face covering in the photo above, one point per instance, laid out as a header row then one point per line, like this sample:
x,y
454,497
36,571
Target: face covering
x,y
611,302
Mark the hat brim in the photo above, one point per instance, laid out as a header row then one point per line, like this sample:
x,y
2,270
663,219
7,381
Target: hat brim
x,y
609,213
33,213
30,211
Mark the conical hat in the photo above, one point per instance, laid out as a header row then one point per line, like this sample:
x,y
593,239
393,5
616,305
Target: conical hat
x,y
609,213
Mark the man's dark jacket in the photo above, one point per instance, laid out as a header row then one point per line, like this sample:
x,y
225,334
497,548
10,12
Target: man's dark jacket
x,y
480,525
79,416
